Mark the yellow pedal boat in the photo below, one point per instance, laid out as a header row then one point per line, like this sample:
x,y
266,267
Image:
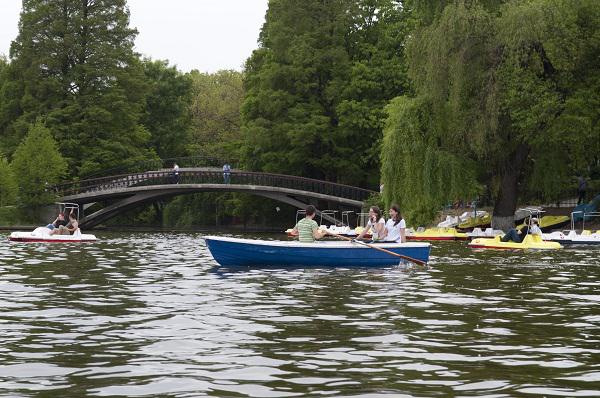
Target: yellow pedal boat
x,y
531,242
435,234
550,222
474,222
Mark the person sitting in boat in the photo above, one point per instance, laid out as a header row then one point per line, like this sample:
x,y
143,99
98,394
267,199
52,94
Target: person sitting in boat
x,y
395,227
307,229
69,229
376,224
58,221
517,236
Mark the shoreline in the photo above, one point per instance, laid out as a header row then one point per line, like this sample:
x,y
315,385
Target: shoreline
x,y
12,228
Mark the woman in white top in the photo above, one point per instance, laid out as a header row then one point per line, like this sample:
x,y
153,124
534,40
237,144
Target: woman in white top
x,y
376,224
396,226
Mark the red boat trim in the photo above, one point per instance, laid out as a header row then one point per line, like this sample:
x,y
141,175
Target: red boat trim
x,y
497,247
48,240
431,238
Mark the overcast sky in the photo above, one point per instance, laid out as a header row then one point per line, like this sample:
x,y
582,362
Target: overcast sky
x,y
207,35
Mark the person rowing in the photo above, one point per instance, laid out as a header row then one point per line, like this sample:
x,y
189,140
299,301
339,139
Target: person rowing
x,y
307,229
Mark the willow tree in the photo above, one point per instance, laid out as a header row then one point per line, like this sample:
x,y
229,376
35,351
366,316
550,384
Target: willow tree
x,y
500,101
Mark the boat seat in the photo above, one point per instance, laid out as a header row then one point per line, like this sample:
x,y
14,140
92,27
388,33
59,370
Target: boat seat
x,y
77,232
535,238
586,232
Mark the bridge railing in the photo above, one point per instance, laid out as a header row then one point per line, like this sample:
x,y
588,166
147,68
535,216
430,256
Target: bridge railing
x,y
213,177
136,166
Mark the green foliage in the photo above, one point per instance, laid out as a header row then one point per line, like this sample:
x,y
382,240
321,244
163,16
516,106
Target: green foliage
x,y
8,184
10,215
190,210
73,65
215,112
513,89
551,87
317,86
167,115
37,165
375,199
215,209
417,174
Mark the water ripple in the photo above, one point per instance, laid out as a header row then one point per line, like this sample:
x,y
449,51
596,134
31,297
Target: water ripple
x,y
151,314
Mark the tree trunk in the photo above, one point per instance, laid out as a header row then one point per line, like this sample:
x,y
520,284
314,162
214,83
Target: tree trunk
x,y
506,202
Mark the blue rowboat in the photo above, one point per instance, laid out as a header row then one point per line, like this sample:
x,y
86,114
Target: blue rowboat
x,y
253,252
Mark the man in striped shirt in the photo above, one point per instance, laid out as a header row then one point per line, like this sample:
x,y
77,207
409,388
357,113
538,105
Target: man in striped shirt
x,y
307,229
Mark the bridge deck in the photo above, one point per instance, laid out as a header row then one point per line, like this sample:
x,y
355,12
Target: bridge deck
x,y
131,190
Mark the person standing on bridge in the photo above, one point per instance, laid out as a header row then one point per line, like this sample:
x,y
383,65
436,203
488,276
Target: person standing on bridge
x,y
226,173
307,229
175,173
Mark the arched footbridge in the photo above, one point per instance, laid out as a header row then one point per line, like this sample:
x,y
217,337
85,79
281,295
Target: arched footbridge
x,y
127,191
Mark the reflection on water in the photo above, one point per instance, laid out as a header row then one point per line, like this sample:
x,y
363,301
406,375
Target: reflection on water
x,y
151,314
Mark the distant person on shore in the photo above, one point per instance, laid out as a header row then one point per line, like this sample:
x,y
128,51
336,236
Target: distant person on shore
x,y
517,236
376,224
226,173
395,227
307,229
581,189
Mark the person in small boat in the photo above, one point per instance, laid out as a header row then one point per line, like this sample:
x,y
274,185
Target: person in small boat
x,y
58,221
376,224
69,229
395,227
307,229
517,236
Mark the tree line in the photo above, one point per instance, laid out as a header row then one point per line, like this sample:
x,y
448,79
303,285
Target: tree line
x,y
436,100
504,103
75,99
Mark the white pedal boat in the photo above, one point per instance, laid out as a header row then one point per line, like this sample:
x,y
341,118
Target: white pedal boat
x,y
573,238
487,233
42,234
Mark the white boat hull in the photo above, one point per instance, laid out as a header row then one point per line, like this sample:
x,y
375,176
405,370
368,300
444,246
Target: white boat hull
x,y
42,234
573,238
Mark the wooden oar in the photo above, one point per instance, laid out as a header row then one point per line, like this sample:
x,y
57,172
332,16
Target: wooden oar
x,y
412,260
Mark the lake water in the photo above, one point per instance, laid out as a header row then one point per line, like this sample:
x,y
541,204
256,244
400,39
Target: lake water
x,y
142,314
